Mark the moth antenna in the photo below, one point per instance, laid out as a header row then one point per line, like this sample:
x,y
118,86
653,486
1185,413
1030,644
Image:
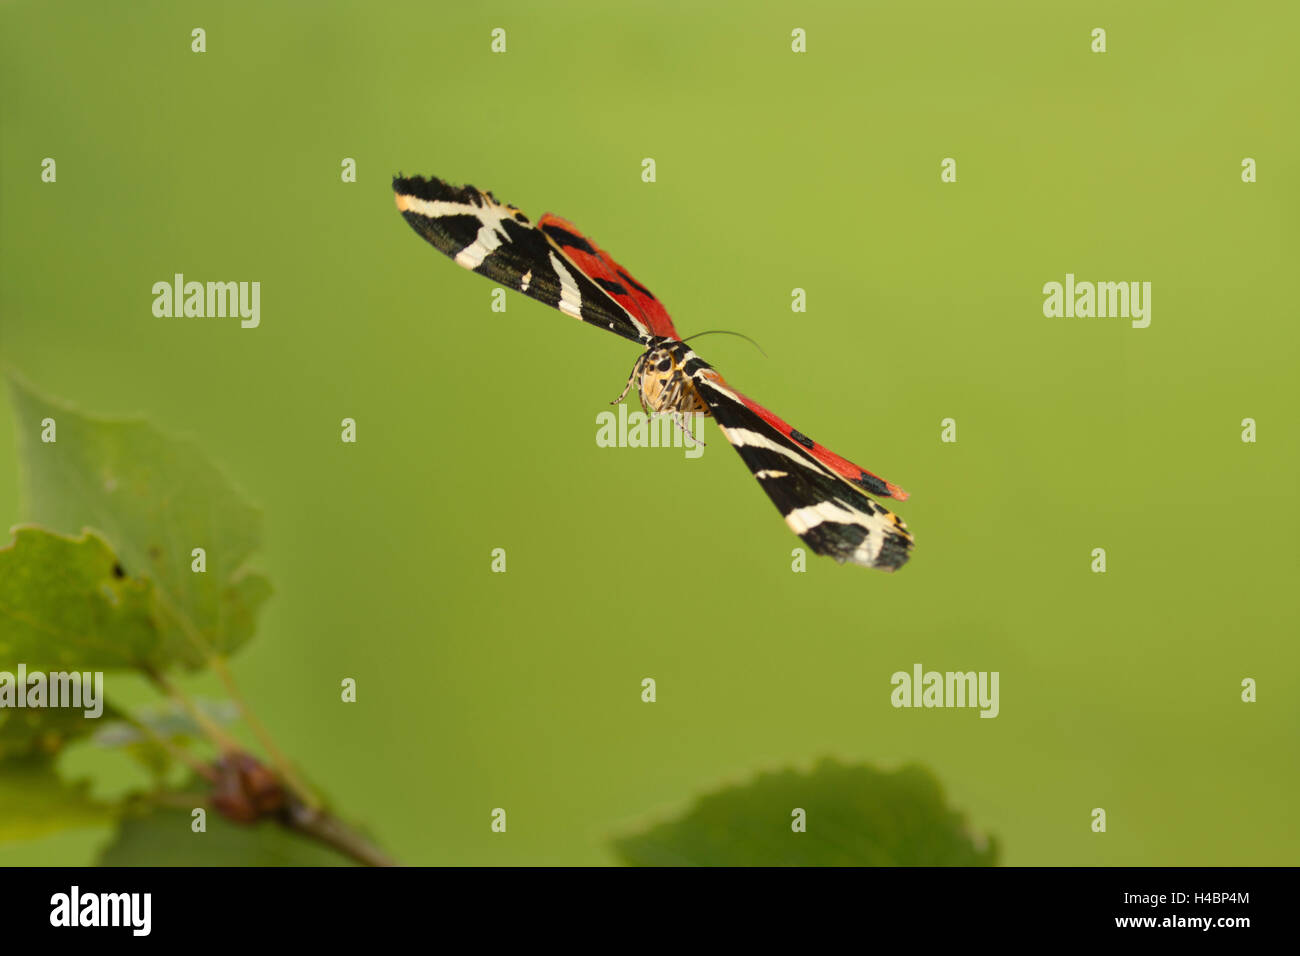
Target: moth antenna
x,y
740,335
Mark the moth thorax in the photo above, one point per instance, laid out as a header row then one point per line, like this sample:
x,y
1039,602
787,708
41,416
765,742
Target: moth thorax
x,y
665,387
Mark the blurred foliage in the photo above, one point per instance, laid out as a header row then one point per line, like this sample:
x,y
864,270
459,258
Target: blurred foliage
x,y
103,581
854,816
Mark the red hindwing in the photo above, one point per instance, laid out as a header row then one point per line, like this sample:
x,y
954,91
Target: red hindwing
x,y
600,267
841,466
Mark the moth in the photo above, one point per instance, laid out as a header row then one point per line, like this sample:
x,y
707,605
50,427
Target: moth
x,y
823,497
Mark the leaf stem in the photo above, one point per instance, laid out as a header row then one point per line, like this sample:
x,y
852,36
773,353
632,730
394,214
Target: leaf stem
x,y
175,752
278,757
224,742
218,664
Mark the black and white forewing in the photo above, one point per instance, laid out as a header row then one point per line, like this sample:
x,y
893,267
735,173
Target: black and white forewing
x,y
496,240
831,516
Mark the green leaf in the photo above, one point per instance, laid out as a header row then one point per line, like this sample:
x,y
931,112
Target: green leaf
x,y
66,606
154,499
35,801
45,730
855,816
162,837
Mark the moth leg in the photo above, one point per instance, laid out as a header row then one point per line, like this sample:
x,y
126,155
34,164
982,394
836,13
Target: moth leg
x,y
636,371
680,419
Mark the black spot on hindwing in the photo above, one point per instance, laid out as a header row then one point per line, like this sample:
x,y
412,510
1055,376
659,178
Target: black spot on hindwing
x,y
874,485
566,238
636,285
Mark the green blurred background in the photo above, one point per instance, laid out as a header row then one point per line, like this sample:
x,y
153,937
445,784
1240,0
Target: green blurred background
x,y
476,429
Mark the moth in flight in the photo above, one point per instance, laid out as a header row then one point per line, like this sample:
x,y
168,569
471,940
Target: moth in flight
x,y
821,495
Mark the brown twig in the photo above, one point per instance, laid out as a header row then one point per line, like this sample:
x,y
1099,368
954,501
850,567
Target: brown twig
x,y
325,828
